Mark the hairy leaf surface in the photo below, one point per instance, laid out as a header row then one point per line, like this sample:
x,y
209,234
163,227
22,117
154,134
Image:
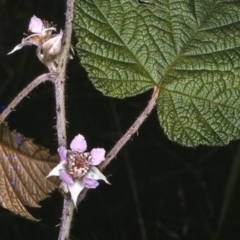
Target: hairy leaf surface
x,y
23,168
189,48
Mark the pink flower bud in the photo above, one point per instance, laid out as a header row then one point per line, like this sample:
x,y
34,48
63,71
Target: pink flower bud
x,y
35,25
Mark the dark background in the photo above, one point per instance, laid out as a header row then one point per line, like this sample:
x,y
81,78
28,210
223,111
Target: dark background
x,y
157,186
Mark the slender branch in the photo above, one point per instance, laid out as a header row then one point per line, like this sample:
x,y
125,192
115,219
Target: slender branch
x,y
67,216
60,112
42,78
60,83
68,206
133,129
66,42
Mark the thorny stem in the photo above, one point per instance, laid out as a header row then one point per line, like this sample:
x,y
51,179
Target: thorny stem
x,y
42,78
60,111
68,206
60,83
133,129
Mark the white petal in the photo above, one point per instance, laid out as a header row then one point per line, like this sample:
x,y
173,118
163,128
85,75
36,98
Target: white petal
x,y
56,171
95,174
78,143
35,25
75,190
19,46
98,155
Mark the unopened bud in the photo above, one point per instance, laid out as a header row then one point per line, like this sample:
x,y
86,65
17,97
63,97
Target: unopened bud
x,y
50,50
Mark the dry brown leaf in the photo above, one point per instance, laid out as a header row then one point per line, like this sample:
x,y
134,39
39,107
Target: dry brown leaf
x,y
23,168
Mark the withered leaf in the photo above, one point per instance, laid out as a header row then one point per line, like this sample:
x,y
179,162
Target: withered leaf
x,y
23,168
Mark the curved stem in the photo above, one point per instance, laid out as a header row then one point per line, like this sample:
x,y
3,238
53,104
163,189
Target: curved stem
x,y
133,129
42,78
68,206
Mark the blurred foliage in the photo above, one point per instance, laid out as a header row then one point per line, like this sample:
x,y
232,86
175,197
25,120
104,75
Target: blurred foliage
x,y
180,190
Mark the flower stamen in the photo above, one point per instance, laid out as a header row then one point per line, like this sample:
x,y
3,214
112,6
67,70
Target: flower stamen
x,y
78,163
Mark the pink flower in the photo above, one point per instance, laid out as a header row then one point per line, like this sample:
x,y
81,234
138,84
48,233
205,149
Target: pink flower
x,y
36,25
49,45
41,32
77,168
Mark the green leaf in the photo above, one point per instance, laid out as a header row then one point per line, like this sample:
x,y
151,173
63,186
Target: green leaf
x,y
190,49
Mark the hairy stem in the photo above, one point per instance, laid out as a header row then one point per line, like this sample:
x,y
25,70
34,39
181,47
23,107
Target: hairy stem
x,y
42,78
133,129
68,206
60,111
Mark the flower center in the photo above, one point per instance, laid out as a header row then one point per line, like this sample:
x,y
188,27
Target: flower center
x,y
78,163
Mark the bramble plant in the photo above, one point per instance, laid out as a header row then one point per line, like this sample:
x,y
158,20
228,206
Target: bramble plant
x,y
186,51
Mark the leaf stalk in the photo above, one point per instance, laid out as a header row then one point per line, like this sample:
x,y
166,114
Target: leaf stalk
x,y
37,81
133,129
128,135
